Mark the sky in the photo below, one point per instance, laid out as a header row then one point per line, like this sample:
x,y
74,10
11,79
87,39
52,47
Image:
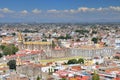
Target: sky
x,y
53,11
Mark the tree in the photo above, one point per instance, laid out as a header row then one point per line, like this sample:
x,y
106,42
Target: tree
x,y
65,37
117,57
61,37
38,78
78,40
9,50
49,71
82,31
95,76
4,71
81,60
1,55
95,40
94,32
49,36
13,34
12,64
2,47
63,79
53,44
14,49
97,63
72,61
44,40
26,39
68,36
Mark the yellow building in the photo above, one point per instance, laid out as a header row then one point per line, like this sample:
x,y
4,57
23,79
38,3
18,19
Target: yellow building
x,y
32,45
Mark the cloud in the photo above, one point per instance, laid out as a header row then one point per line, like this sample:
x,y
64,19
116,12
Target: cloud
x,y
99,9
80,9
36,11
6,10
117,8
78,14
24,12
53,11
72,11
86,9
65,10
83,9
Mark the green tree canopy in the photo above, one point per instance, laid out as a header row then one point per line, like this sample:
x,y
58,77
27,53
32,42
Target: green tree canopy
x,y
9,50
14,49
63,79
95,40
14,34
81,60
65,37
12,64
38,78
1,55
82,31
68,36
2,47
97,63
72,61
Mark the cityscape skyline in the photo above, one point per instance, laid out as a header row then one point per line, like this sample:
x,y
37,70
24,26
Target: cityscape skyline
x,y
60,11
60,40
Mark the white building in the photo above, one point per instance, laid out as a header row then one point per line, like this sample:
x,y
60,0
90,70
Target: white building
x,y
98,60
117,43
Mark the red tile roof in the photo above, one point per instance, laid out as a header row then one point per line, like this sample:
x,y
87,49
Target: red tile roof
x,y
76,68
23,54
